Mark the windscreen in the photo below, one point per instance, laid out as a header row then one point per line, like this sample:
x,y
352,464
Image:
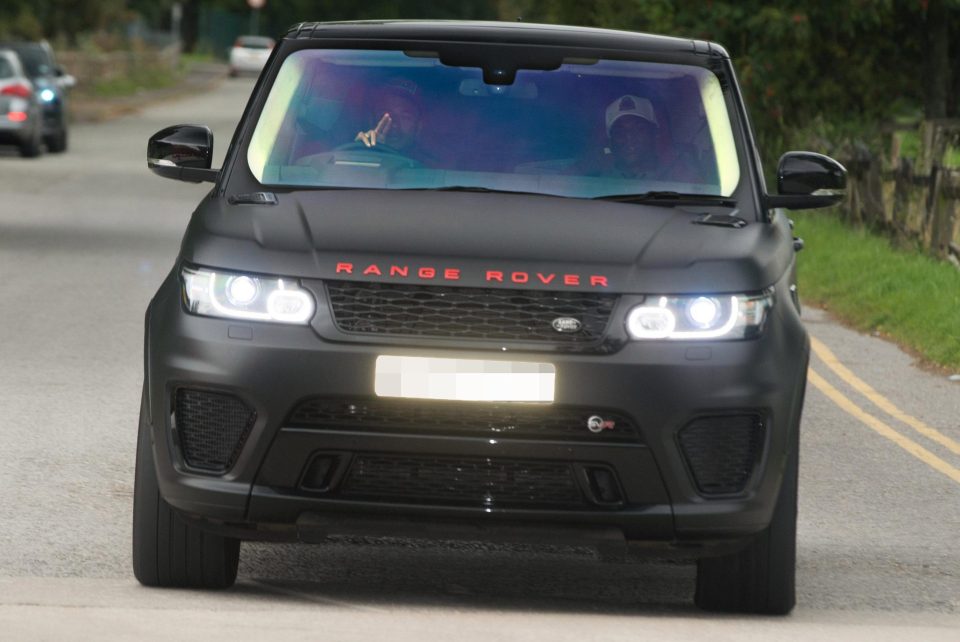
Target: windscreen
x,y
6,69
590,128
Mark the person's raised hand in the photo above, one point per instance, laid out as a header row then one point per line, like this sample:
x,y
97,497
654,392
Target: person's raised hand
x,y
369,138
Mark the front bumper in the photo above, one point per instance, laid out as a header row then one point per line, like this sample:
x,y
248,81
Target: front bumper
x,y
661,385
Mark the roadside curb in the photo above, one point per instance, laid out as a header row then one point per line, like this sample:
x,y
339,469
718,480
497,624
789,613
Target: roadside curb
x,y
199,78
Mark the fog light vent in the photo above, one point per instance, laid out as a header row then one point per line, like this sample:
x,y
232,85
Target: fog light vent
x,y
722,452
211,428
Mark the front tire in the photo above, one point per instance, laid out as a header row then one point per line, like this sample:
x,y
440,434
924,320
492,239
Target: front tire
x,y
57,143
167,551
31,147
761,578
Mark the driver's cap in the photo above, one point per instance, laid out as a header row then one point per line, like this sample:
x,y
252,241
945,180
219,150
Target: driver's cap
x,y
630,105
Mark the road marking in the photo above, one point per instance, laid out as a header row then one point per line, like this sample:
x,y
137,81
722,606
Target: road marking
x,y
883,429
879,400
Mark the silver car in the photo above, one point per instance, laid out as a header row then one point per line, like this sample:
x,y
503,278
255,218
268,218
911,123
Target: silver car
x,y
21,121
249,54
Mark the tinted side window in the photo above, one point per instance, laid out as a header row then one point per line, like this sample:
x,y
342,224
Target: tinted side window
x,y
6,69
35,60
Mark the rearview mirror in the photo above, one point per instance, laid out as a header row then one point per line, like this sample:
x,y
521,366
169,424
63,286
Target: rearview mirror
x,y
806,180
182,152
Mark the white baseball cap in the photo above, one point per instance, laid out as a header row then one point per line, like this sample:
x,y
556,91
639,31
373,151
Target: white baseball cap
x,y
630,105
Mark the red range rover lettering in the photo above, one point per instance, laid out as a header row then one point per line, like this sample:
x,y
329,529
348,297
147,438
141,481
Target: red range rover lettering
x,y
429,273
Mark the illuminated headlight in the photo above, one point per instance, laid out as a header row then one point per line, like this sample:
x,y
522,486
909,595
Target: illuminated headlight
x,y
242,296
47,95
700,317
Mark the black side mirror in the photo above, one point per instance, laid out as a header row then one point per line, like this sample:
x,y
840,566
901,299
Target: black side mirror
x,y
64,79
182,152
806,180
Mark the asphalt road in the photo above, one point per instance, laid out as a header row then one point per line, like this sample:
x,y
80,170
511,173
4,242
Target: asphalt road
x,y
85,239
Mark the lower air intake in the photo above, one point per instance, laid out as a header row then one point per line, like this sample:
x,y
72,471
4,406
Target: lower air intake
x,y
211,428
476,481
722,452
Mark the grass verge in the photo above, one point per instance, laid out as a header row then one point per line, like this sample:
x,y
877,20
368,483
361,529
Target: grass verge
x,y
910,148
904,295
138,81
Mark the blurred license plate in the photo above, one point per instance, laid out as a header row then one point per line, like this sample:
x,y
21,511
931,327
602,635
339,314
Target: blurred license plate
x,y
463,379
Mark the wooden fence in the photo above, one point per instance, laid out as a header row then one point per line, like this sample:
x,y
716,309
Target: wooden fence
x,y
916,200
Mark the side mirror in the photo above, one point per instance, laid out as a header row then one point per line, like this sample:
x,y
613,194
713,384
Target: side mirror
x,y
64,79
806,180
182,152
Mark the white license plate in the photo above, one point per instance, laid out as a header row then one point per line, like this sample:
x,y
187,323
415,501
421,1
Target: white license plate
x,y
464,379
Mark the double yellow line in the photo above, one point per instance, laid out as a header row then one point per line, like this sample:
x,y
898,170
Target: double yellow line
x,y
881,402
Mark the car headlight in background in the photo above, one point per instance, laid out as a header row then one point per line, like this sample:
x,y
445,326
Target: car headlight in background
x,y
245,296
47,95
699,317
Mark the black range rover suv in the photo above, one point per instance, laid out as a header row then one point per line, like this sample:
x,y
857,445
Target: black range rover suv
x,y
482,280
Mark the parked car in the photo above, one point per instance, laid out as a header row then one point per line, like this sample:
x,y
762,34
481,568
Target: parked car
x,y
249,54
51,82
482,281
21,120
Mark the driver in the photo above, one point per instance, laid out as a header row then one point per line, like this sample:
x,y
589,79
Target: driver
x,y
397,113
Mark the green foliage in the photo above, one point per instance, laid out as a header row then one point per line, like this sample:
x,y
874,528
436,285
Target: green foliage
x,y
32,19
136,81
278,16
903,294
24,25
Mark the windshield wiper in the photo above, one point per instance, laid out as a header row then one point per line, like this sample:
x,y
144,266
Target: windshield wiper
x,y
669,198
475,188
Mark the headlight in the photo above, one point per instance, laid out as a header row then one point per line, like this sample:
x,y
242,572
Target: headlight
x,y
242,296
700,317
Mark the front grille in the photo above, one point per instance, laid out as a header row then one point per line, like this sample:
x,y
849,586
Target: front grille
x,y
467,313
211,428
722,452
476,481
472,419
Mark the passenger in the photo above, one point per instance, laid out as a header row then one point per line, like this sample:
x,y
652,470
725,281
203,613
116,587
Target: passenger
x,y
632,133
632,150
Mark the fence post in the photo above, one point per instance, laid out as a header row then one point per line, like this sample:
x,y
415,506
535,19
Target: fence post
x,y
938,230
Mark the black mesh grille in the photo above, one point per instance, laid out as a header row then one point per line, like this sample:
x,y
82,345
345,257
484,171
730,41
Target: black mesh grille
x,y
482,419
722,452
471,481
211,428
467,313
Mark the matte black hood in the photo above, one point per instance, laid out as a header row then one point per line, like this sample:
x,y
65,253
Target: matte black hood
x,y
462,238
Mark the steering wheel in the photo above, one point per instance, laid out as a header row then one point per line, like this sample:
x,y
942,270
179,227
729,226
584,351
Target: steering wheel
x,y
392,153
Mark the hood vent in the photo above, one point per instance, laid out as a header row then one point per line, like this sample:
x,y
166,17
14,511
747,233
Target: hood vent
x,y
721,220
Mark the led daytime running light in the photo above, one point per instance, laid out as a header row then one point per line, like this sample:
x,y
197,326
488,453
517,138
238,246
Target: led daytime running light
x,y
241,296
683,318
